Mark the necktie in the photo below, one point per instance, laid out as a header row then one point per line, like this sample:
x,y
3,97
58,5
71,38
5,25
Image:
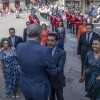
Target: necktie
x,y
52,52
13,42
88,39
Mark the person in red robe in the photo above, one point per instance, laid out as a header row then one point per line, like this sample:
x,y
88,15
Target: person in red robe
x,y
72,21
33,18
55,21
52,21
78,21
57,18
67,18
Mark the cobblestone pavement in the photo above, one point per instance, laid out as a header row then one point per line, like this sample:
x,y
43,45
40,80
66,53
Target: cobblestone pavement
x,y
73,90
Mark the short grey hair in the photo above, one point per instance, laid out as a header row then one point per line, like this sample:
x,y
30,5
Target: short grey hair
x,y
34,30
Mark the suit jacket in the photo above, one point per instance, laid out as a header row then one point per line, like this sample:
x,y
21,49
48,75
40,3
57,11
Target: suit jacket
x,y
25,34
18,40
59,58
83,47
35,63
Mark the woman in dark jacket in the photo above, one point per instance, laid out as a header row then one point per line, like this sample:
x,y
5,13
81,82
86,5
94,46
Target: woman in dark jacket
x,y
91,72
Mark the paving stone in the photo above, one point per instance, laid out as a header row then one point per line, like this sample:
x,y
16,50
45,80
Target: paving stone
x,y
73,90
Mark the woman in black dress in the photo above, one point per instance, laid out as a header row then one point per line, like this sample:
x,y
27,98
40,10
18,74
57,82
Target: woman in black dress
x,y
61,35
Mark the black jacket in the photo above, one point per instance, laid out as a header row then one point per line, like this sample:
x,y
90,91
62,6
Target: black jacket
x,y
83,47
18,40
59,59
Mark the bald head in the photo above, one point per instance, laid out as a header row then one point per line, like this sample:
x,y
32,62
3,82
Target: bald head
x,y
34,30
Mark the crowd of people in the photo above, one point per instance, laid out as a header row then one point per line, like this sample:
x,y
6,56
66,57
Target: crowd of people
x,y
4,12
10,11
88,50
47,11
35,63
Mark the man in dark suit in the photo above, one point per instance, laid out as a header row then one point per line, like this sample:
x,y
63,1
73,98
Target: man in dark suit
x,y
15,40
25,32
85,44
36,64
59,57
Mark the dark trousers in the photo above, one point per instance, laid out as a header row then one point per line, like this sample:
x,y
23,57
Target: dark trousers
x,y
24,36
53,28
47,16
76,30
82,61
28,98
72,28
67,24
58,92
60,44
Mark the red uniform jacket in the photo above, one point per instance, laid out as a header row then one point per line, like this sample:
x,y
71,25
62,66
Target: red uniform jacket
x,y
67,16
78,21
33,20
72,18
56,20
55,23
52,19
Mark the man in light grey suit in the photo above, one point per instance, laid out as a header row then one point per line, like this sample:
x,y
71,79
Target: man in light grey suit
x,y
36,64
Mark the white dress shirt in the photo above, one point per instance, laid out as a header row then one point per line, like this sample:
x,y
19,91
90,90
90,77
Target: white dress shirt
x,y
13,40
90,36
53,51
